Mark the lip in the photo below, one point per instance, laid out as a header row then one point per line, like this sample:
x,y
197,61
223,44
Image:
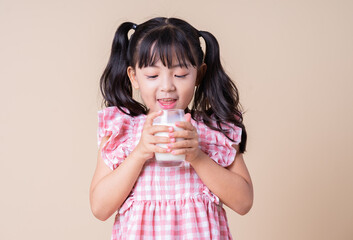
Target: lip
x,y
169,106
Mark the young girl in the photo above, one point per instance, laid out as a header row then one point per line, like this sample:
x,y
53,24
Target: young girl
x,y
163,60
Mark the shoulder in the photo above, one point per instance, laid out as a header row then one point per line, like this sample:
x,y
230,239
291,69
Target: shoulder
x,y
219,146
113,111
108,116
116,131
112,120
231,131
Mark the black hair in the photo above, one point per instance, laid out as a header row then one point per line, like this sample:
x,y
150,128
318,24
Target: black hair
x,y
216,96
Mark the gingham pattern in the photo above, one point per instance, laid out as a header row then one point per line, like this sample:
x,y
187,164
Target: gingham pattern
x,y
166,203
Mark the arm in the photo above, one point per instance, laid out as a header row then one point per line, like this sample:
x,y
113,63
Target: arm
x,y
109,189
232,184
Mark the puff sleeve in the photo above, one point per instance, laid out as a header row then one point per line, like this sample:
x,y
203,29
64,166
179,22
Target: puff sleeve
x,y
115,124
216,145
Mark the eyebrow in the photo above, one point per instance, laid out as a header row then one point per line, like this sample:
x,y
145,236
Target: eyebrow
x,y
174,66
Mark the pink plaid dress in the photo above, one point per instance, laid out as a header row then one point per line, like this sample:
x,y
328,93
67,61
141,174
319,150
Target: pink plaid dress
x,y
166,203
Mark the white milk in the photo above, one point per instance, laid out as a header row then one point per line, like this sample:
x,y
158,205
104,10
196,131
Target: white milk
x,y
168,157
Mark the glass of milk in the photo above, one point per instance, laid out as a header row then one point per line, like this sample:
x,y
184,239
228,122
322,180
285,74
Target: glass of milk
x,y
168,118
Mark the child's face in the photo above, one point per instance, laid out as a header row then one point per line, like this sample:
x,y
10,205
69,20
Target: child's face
x,y
164,88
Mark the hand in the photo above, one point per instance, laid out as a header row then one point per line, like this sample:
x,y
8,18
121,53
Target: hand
x,y
147,144
190,145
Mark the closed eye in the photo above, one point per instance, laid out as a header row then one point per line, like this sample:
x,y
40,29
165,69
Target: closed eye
x,y
151,77
181,76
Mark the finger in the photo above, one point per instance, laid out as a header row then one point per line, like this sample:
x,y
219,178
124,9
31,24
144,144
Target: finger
x,y
158,149
158,139
152,116
183,134
161,128
185,125
187,117
181,151
184,144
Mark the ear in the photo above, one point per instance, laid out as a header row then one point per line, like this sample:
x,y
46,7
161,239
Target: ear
x,y
200,73
132,76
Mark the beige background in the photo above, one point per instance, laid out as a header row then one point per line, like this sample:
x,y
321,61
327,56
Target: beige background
x,y
292,61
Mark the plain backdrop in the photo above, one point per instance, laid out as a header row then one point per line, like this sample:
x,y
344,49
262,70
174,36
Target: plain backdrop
x,y
291,60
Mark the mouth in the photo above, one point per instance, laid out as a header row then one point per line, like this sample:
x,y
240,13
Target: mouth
x,y
167,103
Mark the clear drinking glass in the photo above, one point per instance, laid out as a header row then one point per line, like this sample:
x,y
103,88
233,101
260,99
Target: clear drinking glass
x,y
168,118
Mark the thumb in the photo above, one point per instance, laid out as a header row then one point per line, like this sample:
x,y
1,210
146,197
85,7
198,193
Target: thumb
x,y
187,117
151,116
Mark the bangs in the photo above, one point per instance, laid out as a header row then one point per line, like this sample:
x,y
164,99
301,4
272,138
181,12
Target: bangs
x,y
165,44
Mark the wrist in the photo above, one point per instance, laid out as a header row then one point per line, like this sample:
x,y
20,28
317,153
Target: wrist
x,y
197,159
140,157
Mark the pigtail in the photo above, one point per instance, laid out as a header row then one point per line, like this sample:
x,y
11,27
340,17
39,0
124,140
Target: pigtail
x,y
217,96
115,85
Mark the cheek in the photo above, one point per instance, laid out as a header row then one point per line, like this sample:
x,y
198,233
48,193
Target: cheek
x,y
147,90
188,91
143,83
149,86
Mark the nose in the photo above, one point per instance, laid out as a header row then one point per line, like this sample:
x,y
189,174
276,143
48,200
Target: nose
x,y
167,84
